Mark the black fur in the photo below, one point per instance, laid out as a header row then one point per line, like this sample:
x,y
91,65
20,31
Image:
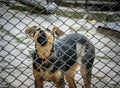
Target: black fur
x,y
65,48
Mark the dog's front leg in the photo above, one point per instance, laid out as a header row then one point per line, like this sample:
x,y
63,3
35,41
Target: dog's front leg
x,y
38,81
60,83
37,75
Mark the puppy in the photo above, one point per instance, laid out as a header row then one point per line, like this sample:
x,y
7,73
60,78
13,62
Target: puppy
x,y
57,59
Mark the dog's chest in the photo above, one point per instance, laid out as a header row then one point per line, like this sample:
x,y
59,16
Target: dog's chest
x,y
60,60
63,57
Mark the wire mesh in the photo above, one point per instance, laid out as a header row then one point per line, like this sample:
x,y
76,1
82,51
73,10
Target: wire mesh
x,y
98,20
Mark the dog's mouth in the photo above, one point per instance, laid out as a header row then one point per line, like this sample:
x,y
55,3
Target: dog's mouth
x,y
42,38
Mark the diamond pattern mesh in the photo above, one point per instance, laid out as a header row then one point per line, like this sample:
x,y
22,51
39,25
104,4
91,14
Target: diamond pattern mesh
x,y
98,20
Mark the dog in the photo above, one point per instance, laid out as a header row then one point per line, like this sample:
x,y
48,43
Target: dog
x,y
58,56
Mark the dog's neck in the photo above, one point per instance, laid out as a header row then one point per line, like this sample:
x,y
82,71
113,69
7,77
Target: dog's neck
x,y
44,52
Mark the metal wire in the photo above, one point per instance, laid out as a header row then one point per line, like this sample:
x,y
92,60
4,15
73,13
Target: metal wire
x,y
98,20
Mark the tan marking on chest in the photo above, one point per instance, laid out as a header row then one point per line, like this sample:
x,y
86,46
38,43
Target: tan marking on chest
x,y
45,51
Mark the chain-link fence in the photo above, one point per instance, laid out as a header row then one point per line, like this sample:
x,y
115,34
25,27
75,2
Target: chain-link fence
x,y
98,20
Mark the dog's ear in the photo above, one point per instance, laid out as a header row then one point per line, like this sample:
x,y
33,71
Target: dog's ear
x,y
42,38
31,30
58,32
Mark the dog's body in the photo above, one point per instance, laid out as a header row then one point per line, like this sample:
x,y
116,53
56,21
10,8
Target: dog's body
x,y
62,59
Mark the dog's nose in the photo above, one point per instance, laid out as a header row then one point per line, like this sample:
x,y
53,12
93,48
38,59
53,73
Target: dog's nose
x,y
41,33
42,38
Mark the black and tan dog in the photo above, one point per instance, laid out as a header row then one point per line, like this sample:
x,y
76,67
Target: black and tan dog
x,y
57,59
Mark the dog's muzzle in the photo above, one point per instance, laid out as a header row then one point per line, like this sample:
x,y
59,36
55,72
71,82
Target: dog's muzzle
x,y
42,38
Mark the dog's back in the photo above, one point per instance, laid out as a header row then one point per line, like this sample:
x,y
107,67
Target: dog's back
x,y
73,48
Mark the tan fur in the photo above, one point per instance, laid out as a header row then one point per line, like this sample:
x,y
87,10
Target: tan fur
x,y
29,29
70,76
44,52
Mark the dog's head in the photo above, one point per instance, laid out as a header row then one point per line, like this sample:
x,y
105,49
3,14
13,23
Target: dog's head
x,y
43,35
44,39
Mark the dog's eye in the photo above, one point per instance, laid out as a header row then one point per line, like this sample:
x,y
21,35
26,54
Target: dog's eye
x,y
38,29
50,31
32,31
